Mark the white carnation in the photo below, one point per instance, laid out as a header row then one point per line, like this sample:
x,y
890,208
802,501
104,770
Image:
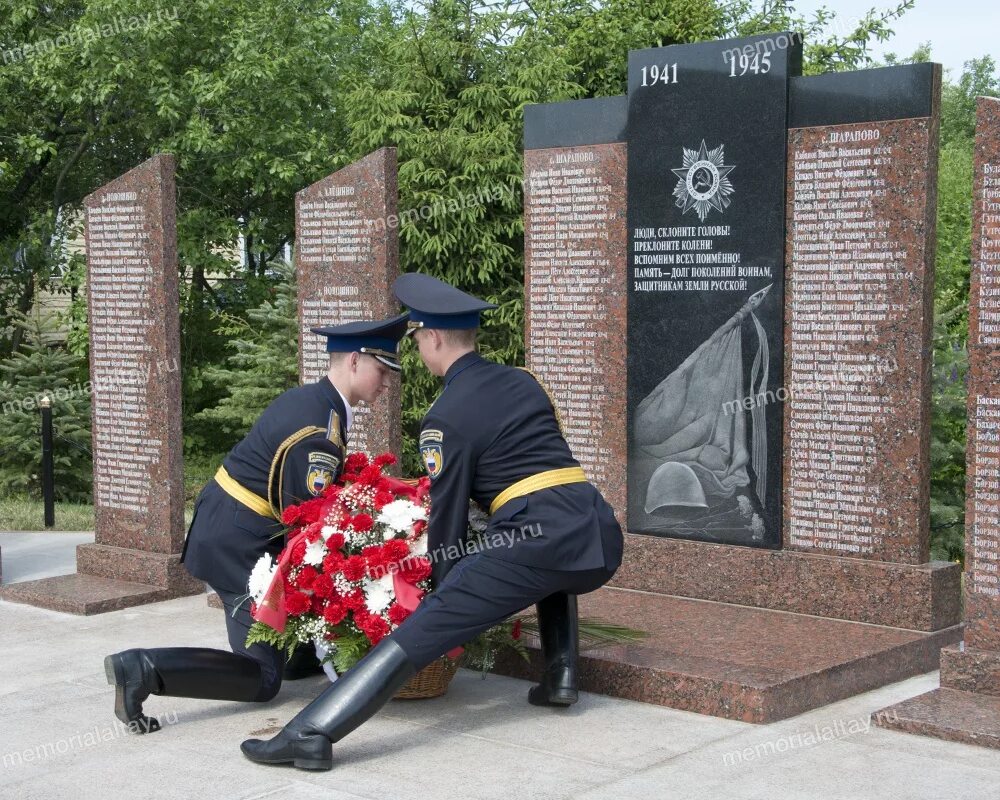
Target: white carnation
x,y
260,577
327,531
314,553
399,516
378,593
418,547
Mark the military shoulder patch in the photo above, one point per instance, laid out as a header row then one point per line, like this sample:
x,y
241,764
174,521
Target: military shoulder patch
x,y
321,472
433,456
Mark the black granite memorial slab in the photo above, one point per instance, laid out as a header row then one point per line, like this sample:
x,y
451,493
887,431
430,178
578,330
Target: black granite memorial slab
x,y
706,192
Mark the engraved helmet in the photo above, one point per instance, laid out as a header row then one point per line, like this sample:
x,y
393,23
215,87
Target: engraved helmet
x,y
674,484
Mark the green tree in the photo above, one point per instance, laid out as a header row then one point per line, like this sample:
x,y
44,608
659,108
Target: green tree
x,y
827,44
247,95
448,92
44,369
263,360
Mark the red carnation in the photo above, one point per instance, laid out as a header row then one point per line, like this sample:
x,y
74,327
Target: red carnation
x,y
372,626
415,569
355,462
290,516
333,562
335,542
297,603
384,459
515,632
354,568
397,614
306,577
362,522
334,613
382,499
396,550
323,586
311,510
354,601
369,475
375,558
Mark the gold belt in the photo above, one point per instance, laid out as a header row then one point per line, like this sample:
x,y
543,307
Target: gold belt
x,y
537,482
243,495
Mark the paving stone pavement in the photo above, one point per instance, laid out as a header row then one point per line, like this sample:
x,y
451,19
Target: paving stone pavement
x,y
59,737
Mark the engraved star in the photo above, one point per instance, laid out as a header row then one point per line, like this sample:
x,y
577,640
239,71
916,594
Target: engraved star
x,y
703,181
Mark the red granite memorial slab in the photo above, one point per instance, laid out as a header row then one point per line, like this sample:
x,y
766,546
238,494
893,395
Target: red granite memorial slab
x,y
789,629
858,316
347,256
982,553
134,323
967,706
575,304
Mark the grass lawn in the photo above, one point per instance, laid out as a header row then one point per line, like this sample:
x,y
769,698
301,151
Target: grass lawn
x,y
20,513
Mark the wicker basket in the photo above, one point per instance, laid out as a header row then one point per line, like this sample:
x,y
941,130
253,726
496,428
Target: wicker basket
x,y
431,681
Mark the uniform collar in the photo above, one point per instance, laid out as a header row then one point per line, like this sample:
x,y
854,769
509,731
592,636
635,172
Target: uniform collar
x,y
460,364
338,402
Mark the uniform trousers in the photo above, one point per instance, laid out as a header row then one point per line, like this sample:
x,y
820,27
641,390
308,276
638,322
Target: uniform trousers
x,y
481,591
238,622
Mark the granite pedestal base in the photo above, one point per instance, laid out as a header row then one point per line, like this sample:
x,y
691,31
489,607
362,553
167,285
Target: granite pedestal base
x,y
108,579
750,664
965,709
921,597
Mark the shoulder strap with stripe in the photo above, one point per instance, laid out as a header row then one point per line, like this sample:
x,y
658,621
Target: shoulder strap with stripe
x,y
278,463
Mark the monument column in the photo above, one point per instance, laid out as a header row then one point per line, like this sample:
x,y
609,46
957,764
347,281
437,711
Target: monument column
x,y
347,256
967,706
574,276
132,297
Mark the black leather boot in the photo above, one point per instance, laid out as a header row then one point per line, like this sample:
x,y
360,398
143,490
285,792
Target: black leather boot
x,y
177,672
560,639
303,663
307,741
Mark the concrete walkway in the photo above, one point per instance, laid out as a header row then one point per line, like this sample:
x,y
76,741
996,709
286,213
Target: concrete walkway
x,y
30,555
59,737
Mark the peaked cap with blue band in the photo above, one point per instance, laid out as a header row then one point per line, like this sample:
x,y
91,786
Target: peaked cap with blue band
x,y
436,304
378,338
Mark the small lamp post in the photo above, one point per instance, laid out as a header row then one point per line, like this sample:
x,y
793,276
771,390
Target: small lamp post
x,y
48,483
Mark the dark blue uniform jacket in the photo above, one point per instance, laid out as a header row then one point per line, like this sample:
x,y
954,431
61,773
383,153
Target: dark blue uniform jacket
x,y
492,426
281,455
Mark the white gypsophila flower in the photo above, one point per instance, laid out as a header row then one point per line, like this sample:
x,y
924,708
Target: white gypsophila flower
x,y
399,516
378,593
260,577
315,551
